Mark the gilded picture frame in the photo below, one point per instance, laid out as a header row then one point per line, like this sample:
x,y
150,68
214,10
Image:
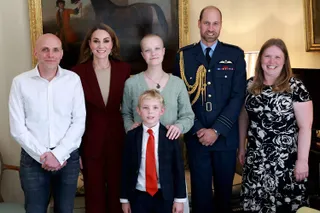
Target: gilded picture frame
x,y
312,24
36,22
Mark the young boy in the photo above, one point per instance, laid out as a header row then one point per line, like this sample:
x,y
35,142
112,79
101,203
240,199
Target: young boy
x,y
152,172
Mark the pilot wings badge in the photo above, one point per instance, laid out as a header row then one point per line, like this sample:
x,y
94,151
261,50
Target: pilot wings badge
x,y
225,62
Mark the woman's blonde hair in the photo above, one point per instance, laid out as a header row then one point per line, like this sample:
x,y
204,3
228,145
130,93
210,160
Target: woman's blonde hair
x,y
150,36
282,82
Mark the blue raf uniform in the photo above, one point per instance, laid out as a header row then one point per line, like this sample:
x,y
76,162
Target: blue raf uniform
x,y
217,91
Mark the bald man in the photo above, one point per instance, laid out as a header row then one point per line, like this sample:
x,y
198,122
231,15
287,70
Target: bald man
x,y
47,118
215,75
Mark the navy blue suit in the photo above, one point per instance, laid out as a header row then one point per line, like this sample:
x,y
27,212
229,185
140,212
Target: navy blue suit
x,y
225,92
171,169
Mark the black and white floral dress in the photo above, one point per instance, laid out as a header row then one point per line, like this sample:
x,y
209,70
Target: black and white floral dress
x,y
268,183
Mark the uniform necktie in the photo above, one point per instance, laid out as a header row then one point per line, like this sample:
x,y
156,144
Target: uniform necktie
x,y
208,55
151,170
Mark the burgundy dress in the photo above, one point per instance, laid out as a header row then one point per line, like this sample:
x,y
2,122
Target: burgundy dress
x,y
102,142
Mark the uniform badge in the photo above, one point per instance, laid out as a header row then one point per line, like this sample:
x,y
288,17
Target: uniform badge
x,y
225,62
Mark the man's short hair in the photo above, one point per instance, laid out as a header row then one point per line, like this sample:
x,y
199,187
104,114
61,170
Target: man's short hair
x,y
209,7
151,94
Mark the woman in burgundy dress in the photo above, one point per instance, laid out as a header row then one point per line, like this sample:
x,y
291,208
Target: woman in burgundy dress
x,y
103,76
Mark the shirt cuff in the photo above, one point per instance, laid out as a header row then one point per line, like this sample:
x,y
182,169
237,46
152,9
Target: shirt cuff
x,y
58,153
122,200
180,200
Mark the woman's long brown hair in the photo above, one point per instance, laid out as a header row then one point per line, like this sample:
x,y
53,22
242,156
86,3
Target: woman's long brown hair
x,y
282,82
85,51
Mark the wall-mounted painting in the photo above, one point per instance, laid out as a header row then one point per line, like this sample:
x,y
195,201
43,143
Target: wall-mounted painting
x,y
131,20
312,23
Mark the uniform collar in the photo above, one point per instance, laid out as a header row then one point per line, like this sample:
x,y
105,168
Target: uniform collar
x,y
204,47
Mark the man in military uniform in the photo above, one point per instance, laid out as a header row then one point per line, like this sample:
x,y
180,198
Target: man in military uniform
x,y
215,76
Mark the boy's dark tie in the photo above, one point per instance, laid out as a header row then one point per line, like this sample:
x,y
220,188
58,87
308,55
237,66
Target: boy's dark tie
x,y
208,55
151,170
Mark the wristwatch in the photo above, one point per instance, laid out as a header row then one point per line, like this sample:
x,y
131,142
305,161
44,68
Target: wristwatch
x,y
216,132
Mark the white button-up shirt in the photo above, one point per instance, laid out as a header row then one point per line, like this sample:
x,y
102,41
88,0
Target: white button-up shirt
x,y
141,183
47,114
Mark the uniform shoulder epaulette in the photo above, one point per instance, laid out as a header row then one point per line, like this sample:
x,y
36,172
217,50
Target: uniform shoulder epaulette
x,y
187,47
231,46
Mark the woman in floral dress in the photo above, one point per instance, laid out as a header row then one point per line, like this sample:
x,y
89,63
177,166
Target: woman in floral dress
x,y
276,119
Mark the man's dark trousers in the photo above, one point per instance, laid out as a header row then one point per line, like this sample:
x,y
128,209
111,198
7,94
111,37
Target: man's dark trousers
x,y
38,184
204,164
